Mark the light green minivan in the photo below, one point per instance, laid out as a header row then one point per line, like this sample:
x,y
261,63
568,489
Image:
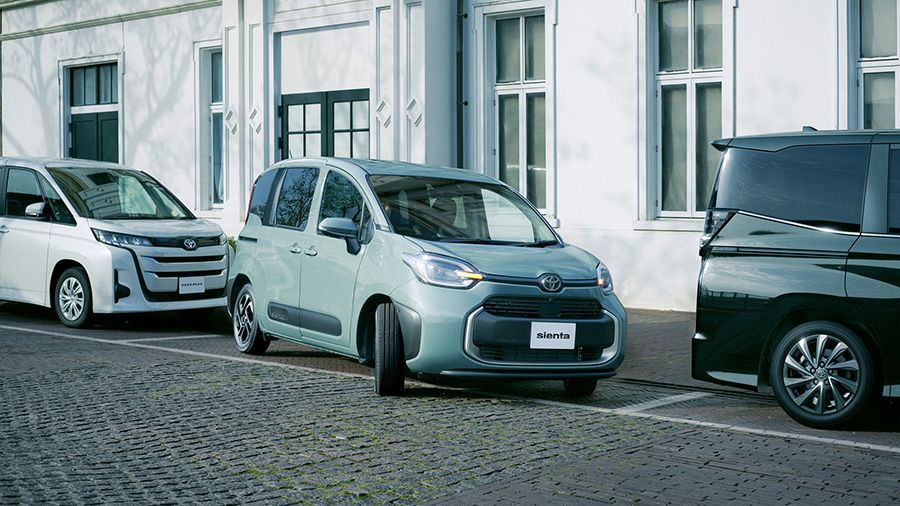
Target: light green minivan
x,y
433,271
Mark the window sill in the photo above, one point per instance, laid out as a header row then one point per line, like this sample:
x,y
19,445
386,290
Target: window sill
x,y
670,225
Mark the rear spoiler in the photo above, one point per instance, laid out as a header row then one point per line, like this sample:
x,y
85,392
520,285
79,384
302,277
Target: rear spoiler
x,y
721,144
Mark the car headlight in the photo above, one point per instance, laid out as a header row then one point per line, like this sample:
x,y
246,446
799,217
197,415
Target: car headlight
x,y
442,271
223,239
117,239
604,279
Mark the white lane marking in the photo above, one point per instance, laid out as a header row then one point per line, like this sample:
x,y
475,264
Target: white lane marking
x,y
170,338
545,402
662,402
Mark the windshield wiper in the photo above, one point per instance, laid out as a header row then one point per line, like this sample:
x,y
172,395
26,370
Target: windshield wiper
x,y
476,240
541,244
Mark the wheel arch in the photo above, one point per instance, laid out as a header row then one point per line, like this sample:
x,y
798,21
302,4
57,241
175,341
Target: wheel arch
x,y
61,267
239,281
841,316
365,327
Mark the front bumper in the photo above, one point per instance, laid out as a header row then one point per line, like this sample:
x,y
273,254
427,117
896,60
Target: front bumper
x,y
448,323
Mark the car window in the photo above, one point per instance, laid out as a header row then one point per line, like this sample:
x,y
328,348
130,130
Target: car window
x,y
60,212
261,192
21,191
894,196
815,185
295,197
341,199
505,221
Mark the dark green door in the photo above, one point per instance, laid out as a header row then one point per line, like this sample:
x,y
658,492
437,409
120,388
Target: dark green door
x,y
333,123
95,136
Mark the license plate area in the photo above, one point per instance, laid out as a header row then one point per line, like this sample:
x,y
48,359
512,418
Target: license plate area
x,y
193,284
552,336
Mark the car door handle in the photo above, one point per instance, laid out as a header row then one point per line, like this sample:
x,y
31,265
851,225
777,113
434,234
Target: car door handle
x,y
310,251
295,248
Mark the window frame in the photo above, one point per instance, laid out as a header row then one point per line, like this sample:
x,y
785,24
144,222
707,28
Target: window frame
x,y
651,216
64,77
871,65
204,142
326,101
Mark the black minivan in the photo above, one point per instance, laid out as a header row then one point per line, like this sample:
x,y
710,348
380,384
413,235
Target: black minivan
x,y
799,289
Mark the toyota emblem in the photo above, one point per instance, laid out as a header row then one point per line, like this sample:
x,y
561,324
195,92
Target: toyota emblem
x,y
551,283
190,244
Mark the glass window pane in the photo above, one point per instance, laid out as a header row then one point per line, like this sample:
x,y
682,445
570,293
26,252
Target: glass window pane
x,y
340,199
341,117
361,114
673,35
508,152
115,83
707,34
216,76
534,47
877,28
295,118
361,144
709,128
261,191
296,197
21,191
878,100
313,144
673,148
535,144
77,76
218,179
815,185
894,194
313,117
105,81
59,209
90,85
342,144
295,146
508,50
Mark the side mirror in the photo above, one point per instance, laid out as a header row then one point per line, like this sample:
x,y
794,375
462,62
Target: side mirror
x,y
35,210
342,228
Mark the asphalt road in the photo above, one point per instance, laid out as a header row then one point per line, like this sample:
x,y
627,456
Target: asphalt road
x,y
158,409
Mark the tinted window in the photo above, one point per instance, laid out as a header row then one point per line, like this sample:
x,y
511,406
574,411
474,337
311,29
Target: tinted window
x,y
296,197
118,194
60,212
261,190
340,199
21,191
894,196
814,185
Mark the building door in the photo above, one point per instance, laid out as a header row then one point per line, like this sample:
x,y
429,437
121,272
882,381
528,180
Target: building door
x,y
95,136
332,123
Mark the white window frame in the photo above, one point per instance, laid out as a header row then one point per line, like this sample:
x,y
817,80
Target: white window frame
x,y
204,111
872,65
482,147
66,109
650,81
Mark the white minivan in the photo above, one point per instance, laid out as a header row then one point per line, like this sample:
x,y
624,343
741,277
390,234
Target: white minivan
x,y
89,237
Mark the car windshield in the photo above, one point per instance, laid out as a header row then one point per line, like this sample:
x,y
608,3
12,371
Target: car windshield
x,y
453,210
118,194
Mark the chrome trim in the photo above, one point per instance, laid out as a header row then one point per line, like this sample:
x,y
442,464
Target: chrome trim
x,y
608,354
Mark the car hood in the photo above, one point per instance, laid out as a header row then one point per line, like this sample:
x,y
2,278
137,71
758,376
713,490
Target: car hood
x,y
160,228
569,262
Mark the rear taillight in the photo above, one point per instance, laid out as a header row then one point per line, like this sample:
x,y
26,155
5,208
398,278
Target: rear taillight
x,y
715,220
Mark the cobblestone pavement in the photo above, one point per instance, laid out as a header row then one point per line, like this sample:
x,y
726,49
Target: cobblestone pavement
x,y
145,418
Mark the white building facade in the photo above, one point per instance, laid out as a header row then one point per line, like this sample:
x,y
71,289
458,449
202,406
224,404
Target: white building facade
x,y
599,111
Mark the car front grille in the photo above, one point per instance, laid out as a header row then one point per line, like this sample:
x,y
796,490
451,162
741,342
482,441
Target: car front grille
x,y
178,242
544,307
526,354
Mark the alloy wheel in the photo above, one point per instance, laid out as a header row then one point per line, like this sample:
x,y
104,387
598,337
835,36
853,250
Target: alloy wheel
x,y
71,299
821,374
244,315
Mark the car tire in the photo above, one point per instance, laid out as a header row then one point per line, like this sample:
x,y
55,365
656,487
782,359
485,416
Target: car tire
x,y
822,374
580,387
72,298
389,363
248,336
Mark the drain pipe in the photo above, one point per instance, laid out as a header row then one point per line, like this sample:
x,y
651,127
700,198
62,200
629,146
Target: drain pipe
x,y
460,30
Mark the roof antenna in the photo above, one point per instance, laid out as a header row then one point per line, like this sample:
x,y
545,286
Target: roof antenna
x,y
807,128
